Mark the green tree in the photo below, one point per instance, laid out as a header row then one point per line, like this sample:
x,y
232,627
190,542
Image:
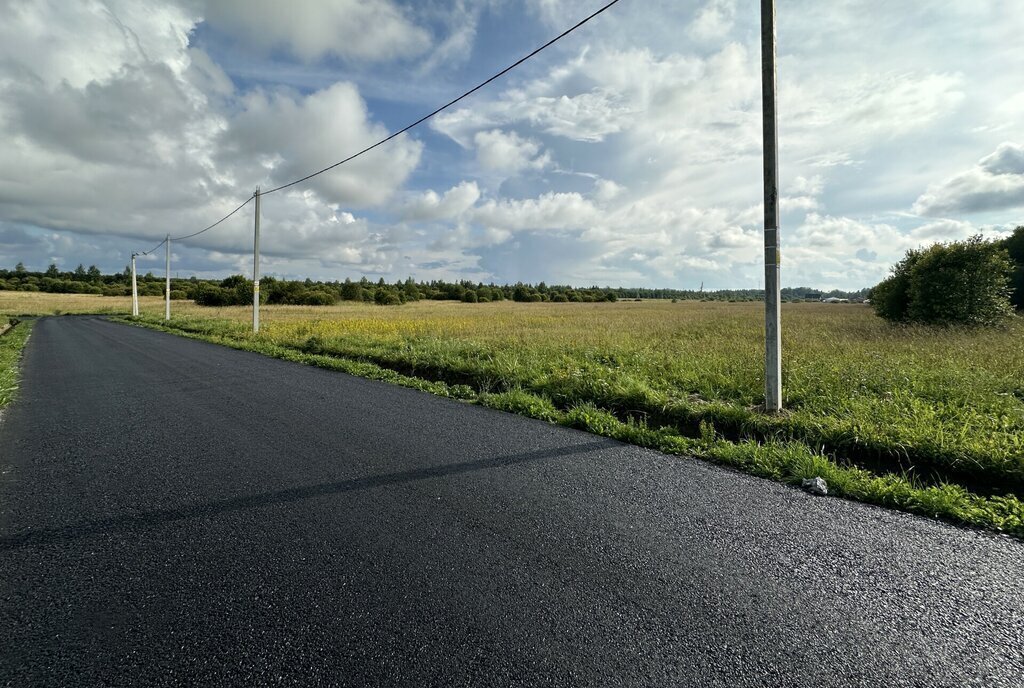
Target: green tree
x,y
891,297
963,282
233,281
386,297
206,294
20,270
1015,248
352,291
520,292
53,271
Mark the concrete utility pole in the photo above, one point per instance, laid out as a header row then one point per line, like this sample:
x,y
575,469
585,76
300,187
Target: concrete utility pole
x,y
135,289
256,267
167,288
772,254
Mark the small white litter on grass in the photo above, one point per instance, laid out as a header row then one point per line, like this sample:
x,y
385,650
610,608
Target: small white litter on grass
x,y
816,486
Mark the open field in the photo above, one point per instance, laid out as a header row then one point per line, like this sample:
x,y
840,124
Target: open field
x,y
18,303
925,419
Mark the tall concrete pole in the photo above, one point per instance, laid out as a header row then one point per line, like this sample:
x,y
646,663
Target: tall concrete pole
x,y
167,287
772,253
256,267
135,289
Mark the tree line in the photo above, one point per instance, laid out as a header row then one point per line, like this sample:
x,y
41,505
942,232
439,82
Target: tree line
x,y
237,289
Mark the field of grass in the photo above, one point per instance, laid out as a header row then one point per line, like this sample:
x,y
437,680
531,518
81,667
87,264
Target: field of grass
x,y
27,303
928,420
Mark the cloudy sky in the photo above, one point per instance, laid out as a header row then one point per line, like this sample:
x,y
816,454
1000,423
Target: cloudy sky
x,y
627,154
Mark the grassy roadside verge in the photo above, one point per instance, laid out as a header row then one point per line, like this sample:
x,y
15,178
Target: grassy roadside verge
x,y
772,456
11,345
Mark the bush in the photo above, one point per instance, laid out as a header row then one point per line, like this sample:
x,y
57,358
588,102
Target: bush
x,y
386,297
469,297
316,298
210,295
963,282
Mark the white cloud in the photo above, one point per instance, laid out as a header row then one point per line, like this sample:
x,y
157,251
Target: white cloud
x,y
509,153
1007,159
943,230
42,41
430,206
791,203
589,116
550,211
358,29
290,136
808,186
713,21
607,190
995,183
137,134
461,21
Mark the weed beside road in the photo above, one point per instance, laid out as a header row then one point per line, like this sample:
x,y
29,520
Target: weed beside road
x,y
11,344
926,420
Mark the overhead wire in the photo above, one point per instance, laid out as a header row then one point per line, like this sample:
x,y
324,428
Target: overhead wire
x,y
447,105
146,253
204,229
401,131
209,227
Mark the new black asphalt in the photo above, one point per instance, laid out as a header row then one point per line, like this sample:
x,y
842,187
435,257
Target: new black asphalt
x,y
177,513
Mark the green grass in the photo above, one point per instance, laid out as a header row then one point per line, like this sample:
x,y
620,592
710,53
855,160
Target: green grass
x,y
11,345
926,420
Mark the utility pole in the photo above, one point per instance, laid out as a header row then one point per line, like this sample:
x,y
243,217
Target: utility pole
x,y
135,289
772,255
256,267
167,288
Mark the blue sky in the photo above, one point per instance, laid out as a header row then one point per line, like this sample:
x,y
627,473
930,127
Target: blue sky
x,y
627,154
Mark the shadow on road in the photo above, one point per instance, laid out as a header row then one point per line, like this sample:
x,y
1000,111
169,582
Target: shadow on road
x,y
149,519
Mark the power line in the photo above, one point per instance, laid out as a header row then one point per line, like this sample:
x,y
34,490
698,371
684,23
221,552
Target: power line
x,y
401,131
423,119
146,253
209,227
204,229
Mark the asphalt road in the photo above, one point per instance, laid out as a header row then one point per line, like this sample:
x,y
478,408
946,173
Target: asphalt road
x,y
177,513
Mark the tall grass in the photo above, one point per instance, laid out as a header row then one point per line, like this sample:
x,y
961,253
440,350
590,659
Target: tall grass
x,y
900,416
11,345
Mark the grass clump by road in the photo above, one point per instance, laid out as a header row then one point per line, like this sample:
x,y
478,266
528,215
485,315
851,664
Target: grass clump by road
x,y
11,344
923,419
